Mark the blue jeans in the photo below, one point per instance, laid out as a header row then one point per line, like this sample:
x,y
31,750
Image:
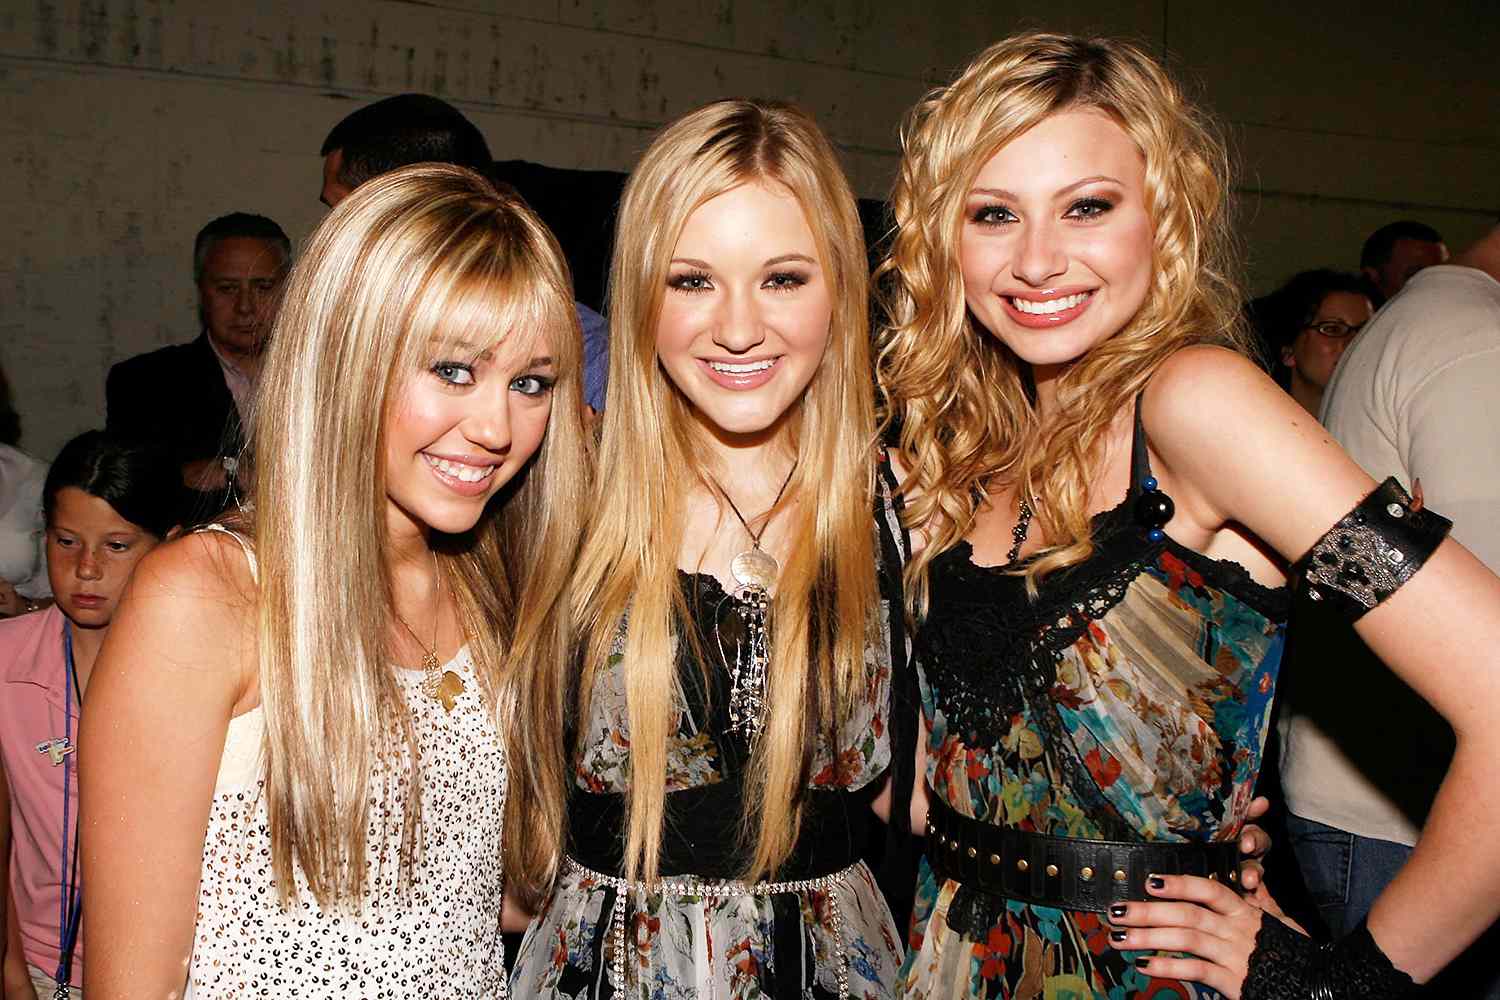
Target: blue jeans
x,y
1344,872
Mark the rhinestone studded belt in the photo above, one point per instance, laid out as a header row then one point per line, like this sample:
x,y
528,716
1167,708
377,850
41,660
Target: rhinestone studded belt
x,y
1063,872
707,889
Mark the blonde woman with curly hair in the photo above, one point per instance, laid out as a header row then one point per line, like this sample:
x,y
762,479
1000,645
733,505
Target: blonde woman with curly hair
x,y
1112,501
737,634
293,769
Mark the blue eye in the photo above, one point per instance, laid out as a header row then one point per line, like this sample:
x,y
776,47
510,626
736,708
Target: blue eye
x,y
533,385
454,372
1089,208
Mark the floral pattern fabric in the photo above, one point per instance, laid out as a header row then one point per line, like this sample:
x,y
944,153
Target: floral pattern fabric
x,y
1131,703
746,947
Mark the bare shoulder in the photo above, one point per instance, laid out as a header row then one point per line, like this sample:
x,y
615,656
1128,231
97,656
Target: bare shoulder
x,y
1237,448
1204,386
190,605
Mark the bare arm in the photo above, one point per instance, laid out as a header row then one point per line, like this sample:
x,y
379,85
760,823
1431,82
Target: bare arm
x,y
1236,449
17,975
169,678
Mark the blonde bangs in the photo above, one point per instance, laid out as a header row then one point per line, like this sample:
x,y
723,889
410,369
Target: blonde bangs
x,y
828,593
425,257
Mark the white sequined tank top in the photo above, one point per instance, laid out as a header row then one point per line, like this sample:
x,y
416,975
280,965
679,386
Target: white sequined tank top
x,y
441,937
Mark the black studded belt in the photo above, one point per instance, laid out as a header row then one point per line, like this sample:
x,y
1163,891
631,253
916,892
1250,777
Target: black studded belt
x,y
1065,872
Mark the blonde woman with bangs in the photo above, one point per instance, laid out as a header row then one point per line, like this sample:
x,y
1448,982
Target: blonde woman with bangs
x,y
1115,507
294,777
730,718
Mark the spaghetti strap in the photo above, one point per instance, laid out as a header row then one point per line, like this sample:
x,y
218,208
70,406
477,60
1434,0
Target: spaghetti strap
x,y
1140,457
238,537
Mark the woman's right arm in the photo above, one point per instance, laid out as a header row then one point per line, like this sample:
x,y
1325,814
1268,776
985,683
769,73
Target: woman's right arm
x,y
169,678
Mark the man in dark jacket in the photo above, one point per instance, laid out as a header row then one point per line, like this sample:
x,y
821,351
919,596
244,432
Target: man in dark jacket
x,y
193,398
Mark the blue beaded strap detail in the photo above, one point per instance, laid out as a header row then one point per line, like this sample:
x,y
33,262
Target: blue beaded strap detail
x,y
1153,508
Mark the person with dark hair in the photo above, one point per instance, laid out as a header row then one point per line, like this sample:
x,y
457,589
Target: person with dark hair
x,y
108,501
1306,324
1395,252
1415,398
416,128
396,132
193,398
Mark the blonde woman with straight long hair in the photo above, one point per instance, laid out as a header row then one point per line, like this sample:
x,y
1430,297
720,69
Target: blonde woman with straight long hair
x,y
1113,500
294,778
730,723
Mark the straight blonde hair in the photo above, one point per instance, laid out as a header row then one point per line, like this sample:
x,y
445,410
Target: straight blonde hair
x,y
420,260
826,594
959,398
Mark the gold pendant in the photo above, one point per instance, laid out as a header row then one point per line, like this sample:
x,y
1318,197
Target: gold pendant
x,y
449,689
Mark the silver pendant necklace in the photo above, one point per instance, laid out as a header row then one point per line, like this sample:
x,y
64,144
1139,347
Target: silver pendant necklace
x,y
754,571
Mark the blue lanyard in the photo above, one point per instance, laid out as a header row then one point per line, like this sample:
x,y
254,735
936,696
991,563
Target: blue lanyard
x,y
70,904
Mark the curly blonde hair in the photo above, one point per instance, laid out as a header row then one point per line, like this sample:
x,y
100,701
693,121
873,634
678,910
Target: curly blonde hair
x,y
957,398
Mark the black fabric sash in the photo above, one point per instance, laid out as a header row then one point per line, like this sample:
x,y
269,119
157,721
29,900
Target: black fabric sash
x,y
702,835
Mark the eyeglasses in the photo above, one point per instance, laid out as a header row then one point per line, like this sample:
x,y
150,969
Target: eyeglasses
x,y
1334,329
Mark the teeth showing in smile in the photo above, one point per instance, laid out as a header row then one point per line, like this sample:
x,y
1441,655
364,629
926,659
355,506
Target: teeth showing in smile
x,y
749,369
460,471
1054,306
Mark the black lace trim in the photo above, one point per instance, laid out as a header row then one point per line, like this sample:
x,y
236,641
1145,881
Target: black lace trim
x,y
1226,575
988,651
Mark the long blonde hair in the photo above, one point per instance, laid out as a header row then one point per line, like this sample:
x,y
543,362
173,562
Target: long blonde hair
x,y
420,258
827,589
958,397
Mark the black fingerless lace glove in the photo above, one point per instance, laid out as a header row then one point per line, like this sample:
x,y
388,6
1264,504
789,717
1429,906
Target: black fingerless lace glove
x,y
1286,965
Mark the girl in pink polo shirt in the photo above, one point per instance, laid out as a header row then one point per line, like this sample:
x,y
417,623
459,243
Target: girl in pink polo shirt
x,y
107,503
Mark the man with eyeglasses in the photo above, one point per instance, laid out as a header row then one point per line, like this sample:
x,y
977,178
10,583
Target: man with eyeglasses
x,y
1416,396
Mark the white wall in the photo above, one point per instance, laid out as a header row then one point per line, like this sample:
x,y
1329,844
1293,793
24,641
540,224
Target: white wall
x,y
127,124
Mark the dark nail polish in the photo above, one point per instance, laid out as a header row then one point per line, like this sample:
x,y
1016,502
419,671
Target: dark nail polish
x,y
1117,935
1141,963
1118,910
1157,882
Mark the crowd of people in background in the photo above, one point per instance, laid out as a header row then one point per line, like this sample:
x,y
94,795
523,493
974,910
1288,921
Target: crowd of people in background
x,y
674,629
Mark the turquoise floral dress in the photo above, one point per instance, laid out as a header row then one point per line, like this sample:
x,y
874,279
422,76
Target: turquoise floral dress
x,y
1128,702
743,947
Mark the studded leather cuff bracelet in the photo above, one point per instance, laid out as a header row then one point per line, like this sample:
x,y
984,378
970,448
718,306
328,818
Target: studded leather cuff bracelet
x,y
1064,872
1371,552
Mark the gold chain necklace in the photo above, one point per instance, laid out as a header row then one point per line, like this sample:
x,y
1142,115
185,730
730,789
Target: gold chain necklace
x,y
442,685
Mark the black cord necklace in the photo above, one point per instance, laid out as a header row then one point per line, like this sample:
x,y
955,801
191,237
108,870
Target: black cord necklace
x,y
754,571
755,567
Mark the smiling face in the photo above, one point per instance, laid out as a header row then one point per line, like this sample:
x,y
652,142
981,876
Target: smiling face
x,y
91,552
1056,244
461,429
745,318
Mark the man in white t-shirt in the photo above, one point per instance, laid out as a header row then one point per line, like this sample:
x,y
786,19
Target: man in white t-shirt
x,y
1417,396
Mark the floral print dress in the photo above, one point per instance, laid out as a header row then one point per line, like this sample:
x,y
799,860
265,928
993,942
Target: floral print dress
x,y
740,947
1129,702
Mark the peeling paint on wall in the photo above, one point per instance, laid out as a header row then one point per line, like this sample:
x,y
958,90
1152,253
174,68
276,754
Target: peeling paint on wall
x,y
127,124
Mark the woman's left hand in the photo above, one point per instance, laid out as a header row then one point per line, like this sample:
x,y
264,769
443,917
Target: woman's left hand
x,y
1208,921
